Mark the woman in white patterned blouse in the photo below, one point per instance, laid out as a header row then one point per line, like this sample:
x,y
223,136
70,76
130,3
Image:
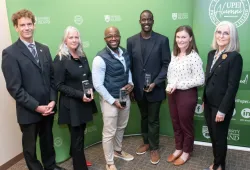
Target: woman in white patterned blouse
x,y
185,74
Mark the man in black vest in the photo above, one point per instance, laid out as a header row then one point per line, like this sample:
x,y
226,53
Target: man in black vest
x,y
112,80
150,57
29,79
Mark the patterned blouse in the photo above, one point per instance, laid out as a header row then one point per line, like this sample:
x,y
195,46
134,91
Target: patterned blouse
x,y
185,72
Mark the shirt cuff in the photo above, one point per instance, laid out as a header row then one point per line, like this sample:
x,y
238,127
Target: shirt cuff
x,y
111,101
221,114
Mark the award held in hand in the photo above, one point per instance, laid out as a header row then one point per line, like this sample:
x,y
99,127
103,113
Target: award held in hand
x,y
86,88
123,97
147,81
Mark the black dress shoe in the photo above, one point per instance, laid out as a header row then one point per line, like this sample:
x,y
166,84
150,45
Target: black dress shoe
x,y
56,168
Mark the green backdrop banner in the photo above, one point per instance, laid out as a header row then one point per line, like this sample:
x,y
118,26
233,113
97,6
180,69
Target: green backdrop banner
x,y
91,17
206,15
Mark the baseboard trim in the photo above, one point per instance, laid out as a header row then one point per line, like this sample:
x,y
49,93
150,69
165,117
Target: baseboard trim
x,y
11,162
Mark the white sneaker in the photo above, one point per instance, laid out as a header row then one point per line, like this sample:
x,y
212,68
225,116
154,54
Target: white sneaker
x,y
111,167
124,155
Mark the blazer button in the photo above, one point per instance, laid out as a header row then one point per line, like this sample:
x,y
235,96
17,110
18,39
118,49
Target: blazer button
x,y
144,69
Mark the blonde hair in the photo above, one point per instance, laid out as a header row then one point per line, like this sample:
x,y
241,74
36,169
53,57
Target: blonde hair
x,y
63,49
234,44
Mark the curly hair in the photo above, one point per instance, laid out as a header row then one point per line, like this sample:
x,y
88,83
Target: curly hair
x,y
22,13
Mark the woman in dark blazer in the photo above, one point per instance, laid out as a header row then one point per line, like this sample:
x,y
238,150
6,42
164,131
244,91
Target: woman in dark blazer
x,y
223,72
75,108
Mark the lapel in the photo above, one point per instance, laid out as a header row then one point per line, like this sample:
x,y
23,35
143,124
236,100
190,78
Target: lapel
x,y
149,50
209,63
138,44
41,54
26,52
216,64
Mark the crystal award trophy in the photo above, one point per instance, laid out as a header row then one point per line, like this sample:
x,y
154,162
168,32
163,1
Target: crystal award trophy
x,y
86,88
123,97
147,81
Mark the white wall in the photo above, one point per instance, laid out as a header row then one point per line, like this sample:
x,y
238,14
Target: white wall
x,y
10,134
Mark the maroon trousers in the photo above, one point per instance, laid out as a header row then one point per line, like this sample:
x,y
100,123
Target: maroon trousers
x,y
182,105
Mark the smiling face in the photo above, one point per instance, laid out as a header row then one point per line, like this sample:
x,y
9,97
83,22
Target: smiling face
x,y
72,40
222,36
25,28
183,40
112,38
146,22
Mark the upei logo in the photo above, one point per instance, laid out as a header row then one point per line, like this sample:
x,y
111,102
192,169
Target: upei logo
x,y
58,141
236,11
42,20
85,44
179,16
245,113
112,18
107,18
233,134
174,16
78,19
198,109
205,132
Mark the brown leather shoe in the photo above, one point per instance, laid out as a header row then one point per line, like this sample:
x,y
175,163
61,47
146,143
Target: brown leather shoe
x,y
172,158
180,161
142,149
154,157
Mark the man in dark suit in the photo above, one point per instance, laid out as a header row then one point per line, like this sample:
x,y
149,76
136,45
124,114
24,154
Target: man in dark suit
x,y
26,66
150,57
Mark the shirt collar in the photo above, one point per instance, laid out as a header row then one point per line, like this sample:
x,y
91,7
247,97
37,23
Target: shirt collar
x,y
113,53
27,43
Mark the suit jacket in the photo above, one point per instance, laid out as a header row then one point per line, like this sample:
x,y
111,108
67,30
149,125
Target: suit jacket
x,y
155,62
29,83
69,74
222,83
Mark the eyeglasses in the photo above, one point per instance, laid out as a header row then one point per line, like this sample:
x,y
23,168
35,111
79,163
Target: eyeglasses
x,y
113,36
220,33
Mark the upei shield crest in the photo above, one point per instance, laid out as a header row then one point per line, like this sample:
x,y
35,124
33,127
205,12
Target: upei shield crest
x,y
174,16
107,18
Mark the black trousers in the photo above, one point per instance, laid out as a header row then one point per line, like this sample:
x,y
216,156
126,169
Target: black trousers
x,y
150,124
77,147
29,138
218,132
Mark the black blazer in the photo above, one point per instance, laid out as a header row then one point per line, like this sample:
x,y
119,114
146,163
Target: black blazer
x,y
69,74
222,82
155,62
29,83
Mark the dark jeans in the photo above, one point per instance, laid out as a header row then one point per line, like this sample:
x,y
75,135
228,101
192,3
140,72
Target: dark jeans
x,y
182,105
150,124
29,137
77,147
218,132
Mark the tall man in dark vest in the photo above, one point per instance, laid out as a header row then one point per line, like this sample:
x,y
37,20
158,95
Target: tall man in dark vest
x,y
29,79
111,76
150,57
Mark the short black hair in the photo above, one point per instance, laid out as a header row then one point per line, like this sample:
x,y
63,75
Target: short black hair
x,y
147,11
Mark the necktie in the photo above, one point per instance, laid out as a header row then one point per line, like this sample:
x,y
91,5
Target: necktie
x,y
34,53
